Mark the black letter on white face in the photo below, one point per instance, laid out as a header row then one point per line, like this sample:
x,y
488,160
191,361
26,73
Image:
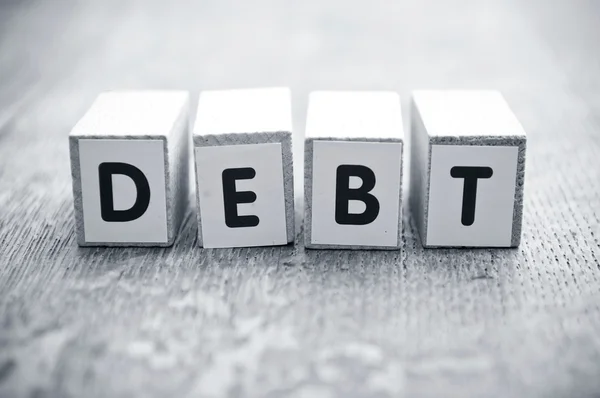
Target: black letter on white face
x,y
343,194
231,197
107,205
471,175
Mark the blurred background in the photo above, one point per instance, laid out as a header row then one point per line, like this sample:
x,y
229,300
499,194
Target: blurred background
x,y
273,322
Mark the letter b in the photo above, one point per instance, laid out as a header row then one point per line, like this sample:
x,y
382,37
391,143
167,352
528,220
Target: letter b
x,y
344,194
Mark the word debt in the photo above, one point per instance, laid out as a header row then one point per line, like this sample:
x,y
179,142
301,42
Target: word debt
x,y
130,162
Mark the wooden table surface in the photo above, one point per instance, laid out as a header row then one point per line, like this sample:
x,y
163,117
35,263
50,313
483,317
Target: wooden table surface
x,y
282,321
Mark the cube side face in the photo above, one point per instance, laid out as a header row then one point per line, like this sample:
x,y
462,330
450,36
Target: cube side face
x,y
308,175
519,194
261,168
288,186
476,191
76,181
353,194
419,172
120,190
177,173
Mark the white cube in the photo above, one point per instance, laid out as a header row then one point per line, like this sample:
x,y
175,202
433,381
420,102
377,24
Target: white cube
x,y
129,165
353,171
468,169
244,170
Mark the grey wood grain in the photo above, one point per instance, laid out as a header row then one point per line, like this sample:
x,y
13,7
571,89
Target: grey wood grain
x,y
282,321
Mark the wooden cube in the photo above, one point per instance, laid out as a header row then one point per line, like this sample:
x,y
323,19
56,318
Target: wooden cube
x,y
353,171
129,163
468,169
244,171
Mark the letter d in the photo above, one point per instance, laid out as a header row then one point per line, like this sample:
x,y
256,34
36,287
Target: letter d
x,y
107,205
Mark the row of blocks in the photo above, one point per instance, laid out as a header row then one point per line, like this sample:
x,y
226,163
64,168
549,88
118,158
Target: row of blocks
x,y
129,161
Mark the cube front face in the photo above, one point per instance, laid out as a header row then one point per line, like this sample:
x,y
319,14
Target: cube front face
x,y
241,194
353,194
122,186
471,195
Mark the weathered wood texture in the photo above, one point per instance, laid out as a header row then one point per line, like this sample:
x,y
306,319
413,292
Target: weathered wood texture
x,y
282,321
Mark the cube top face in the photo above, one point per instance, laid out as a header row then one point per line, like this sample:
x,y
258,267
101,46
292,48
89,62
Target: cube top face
x,y
260,110
468,169
132,114
448,113
353,171
354,115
